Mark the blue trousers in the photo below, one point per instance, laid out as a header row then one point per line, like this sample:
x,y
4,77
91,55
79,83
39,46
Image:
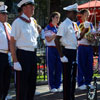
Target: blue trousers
x,y
54,67
85,65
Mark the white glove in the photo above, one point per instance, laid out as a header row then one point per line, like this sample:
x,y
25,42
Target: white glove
x,y
64,59
86,24
17,66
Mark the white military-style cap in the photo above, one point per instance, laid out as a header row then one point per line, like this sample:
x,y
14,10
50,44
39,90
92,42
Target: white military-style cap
x,y
25,2
3,9
73,7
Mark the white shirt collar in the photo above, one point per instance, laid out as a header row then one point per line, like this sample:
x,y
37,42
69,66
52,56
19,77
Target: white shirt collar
x,y
0,23
69,20
23,15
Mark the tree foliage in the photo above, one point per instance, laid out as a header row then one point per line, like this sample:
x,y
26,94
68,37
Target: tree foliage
x,y
43,8
41,11
9,4
82,1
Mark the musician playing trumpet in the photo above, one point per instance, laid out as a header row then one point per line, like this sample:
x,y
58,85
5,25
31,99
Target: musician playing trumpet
x,y
85,51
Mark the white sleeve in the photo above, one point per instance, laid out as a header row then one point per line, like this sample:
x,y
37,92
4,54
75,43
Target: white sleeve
x,y
94,30
61,30
42,34
15,30
48,33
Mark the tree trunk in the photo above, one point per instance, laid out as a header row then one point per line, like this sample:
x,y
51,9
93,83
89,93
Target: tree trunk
x,y
9,4
55,5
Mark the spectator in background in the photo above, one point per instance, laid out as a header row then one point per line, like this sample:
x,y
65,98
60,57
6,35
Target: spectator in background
x,y
54,65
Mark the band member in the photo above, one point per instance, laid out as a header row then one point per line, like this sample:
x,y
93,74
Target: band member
x,y
5,69
23,44
85,51
52,56
67,38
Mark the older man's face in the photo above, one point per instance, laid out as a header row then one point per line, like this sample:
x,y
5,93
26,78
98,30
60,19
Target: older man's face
x,y
30,9
3,17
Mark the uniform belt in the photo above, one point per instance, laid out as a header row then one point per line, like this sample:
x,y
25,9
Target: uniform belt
x,y
52,46
3,51
84,45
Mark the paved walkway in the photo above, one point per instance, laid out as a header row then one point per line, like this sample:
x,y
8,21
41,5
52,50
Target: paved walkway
x,y
45,94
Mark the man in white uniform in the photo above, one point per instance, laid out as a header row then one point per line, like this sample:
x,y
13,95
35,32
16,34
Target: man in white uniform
x,y
23,43
5,30
67,38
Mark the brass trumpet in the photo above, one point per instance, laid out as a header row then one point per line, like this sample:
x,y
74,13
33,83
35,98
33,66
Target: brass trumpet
x,y
90,37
